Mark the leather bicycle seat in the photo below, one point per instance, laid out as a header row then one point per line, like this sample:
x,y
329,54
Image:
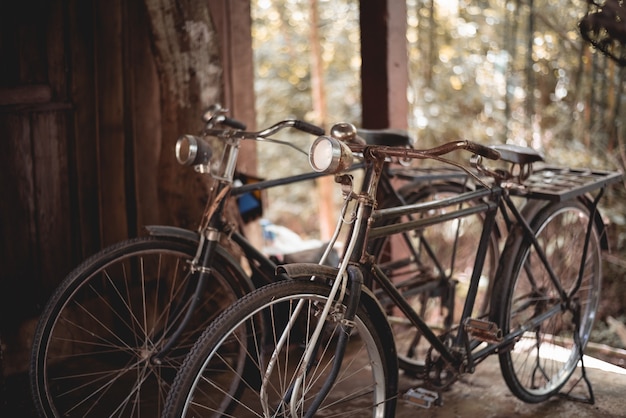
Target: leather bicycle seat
x,y
389,137
517,154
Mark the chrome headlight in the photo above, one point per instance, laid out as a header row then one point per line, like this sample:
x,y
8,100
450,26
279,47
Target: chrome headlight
x,y
191,150
329,155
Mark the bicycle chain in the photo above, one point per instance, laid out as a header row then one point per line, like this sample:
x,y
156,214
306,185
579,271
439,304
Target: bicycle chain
x,y
439,374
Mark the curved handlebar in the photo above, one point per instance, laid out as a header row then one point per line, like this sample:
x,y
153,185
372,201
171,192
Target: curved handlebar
x,y
196,151
482,150
308,127
231,123
408,153
290,123
217,114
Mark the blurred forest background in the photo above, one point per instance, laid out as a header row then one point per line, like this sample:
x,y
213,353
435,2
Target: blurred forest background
x,y
493,71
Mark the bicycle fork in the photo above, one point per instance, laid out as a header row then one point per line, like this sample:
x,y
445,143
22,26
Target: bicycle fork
x,y
204,257
292,395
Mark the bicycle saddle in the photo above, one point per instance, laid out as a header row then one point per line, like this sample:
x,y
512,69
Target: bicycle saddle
x,y
389,137
517,154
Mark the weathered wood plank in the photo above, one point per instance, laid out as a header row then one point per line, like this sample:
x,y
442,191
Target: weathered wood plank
x,y
145,114
190,79
32,56
84,136
110,118
56,51
18,229
52,216
25,95
240,70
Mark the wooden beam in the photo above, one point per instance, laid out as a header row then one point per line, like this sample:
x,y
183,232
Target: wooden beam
x,y
384,68
25,94
233,23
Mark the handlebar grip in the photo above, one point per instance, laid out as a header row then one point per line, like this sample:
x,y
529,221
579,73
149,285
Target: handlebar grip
x,y
308,128
482,150
232,123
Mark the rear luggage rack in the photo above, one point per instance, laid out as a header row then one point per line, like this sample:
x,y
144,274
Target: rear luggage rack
x,y
558,183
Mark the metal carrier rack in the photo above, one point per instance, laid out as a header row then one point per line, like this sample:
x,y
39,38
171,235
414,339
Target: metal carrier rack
x,y
559,183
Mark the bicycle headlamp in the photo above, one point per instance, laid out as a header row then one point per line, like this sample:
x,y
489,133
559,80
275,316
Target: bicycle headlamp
x,y
329,155
191,150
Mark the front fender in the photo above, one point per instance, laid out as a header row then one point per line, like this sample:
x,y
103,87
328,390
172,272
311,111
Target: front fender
x,y
368,299
193,237
173,232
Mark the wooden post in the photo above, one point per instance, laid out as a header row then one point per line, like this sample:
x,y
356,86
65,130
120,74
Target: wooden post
x,y
384,68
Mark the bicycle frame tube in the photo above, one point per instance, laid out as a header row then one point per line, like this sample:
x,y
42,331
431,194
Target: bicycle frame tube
x,y
265,266
488,206
268,184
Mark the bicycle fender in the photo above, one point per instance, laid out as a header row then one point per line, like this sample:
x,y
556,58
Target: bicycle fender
x,y
532,207
194,238
173,232
308,270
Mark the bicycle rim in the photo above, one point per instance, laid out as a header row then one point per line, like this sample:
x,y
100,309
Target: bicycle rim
x,y
362,387
94,346
545,355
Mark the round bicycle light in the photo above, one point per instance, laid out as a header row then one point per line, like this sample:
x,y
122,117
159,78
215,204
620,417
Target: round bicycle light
x,y
191,150
329,155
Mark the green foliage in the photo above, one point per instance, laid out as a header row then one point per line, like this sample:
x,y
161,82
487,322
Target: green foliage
x,y
494,71
281,47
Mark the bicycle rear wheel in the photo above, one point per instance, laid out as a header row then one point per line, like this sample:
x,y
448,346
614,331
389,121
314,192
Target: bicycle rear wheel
x,y
553,329
432,268
365,386
96,339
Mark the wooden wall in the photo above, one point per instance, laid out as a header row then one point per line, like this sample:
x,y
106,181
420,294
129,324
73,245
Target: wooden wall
x,y
81,134
38,213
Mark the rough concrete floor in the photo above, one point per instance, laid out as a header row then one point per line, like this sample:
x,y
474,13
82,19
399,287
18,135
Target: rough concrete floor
x,y
484,394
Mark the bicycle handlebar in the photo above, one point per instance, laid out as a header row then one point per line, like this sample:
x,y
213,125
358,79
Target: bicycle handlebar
x,y
193,150
290,123
409,153
230,122
308,127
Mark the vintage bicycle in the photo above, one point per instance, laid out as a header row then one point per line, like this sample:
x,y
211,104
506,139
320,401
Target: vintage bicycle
x,y
113,334
322,343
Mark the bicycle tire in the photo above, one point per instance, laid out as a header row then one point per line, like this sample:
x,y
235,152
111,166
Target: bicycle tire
x,y
94,342
438,296
544,357
197,388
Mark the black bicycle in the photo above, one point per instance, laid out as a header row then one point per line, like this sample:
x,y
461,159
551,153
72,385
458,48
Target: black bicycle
x,y
114,333
322,344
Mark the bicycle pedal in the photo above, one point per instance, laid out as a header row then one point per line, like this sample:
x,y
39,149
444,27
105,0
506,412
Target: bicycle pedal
x,y
422,398
485,331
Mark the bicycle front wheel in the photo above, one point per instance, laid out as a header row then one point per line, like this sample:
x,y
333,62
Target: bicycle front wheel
x,y
553,324
95,344
276,322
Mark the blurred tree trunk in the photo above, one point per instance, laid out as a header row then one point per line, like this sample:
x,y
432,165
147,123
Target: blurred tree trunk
x,y
530,74
325,185
510,45
187,59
